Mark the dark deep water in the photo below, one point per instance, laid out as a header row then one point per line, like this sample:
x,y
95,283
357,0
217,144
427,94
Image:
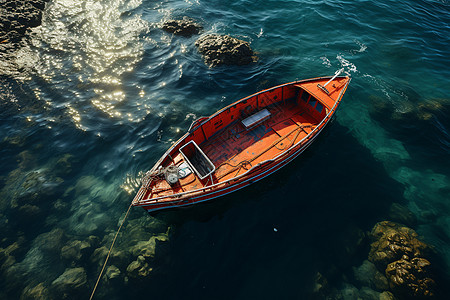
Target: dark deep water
x,y
101,92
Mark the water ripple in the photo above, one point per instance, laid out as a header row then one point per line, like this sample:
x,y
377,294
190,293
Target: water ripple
x,y
85,48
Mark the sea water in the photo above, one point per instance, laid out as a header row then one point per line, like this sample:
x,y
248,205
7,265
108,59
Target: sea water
x,y
100,92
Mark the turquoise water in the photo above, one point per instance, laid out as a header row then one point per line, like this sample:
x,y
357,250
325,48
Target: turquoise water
x,y
101,92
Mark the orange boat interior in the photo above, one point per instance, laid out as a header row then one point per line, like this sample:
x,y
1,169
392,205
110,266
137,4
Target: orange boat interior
x,y
243,135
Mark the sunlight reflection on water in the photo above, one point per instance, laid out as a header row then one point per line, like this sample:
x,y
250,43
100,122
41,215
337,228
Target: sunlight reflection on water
x,y
88,46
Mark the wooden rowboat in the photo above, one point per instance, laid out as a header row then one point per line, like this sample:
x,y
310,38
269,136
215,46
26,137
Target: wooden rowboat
x,y
241,143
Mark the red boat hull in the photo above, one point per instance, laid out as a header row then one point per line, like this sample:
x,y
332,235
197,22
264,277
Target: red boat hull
x,y
242,143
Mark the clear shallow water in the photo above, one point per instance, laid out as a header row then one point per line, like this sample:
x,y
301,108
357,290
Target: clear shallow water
x,y
102,92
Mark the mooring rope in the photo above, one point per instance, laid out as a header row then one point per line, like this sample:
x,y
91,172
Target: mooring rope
x,y
110,249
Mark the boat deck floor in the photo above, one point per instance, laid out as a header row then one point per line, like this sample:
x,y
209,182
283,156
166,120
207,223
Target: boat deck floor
x,y
235,149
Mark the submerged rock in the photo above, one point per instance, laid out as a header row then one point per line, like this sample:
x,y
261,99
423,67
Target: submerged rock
x,y
51,241
15,140
392,242
42,259
139,268
7,256
402,214
368,294
398,252
386,295
26,160
63,166
368,275
29,191
16,18
112,272
71,284
348,291
38,292
30,212
225,50
142,229
117,257
75,250
147,249
411,278
415,109
321,287
184,27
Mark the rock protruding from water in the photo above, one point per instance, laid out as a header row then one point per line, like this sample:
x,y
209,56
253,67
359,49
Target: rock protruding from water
x,y
225,50
16,17
184,27
398,252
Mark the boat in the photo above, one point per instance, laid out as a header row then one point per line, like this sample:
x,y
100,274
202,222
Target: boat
x,y
242,143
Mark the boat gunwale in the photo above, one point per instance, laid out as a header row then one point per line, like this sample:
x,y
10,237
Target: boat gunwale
x,y
318,127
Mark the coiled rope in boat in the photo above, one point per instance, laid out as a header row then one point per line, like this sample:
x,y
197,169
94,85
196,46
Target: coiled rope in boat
x,y
109,252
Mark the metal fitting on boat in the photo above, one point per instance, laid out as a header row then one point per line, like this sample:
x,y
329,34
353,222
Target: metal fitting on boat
x,y
171,174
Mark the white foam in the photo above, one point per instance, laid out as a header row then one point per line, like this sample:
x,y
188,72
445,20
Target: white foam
x,y
350,67
325,61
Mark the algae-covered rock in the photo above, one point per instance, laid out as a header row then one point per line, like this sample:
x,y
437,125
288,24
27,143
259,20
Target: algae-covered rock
x,y
380,282
38,292
60,205
12,249
225,50
403,257
367,293
184,27
51,241
368,275
26,160
8,255
32,187
392,241
71,284
30,211
321,288
16,140
117,257
63,166
112,272
386,295
75,250
142,229
7,258
139,268
99,254
93,240
411,278
348,291
147,249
